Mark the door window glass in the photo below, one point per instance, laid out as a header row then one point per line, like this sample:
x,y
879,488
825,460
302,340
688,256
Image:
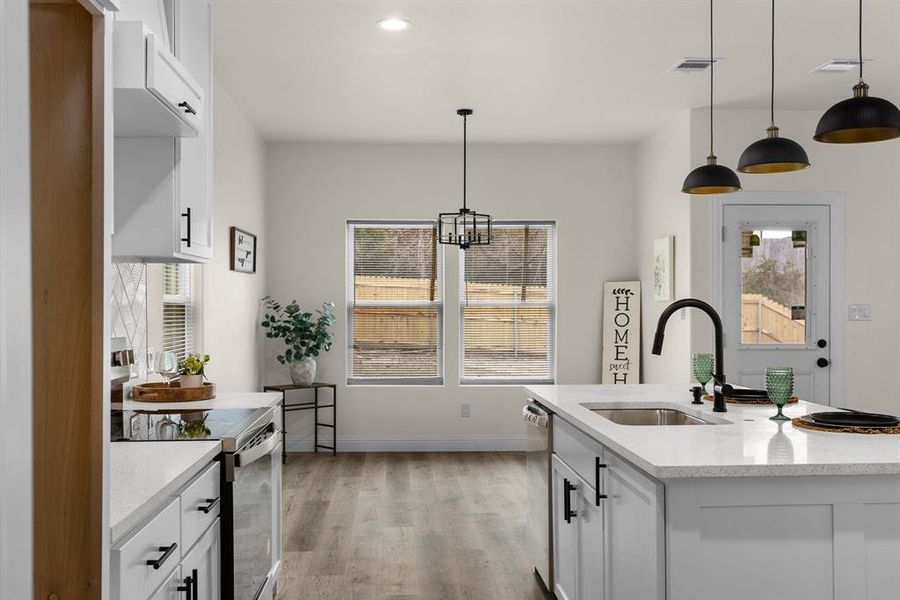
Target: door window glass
x,y
773,286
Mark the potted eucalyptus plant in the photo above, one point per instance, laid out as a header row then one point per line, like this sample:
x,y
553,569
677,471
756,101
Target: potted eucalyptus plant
x,y
305,334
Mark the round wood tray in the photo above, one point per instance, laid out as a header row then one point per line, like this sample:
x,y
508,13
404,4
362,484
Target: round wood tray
x,y
729,400
173,392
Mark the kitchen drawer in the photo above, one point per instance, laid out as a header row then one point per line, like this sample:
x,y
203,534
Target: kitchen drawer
x,y
199,505
579,452
169,81
131,575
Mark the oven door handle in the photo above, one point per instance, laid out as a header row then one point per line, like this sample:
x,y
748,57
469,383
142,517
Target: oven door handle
x,y
267,446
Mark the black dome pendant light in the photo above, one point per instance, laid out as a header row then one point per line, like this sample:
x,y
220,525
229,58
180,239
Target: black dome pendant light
x,y
711,178
862,118
465,227
773,154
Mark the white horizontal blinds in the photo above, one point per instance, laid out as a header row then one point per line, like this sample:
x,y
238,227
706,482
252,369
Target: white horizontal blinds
x,y
395,303
178,309
507,306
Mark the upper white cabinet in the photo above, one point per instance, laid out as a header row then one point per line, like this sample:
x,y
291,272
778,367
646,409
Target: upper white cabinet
x,y
163,184
155,94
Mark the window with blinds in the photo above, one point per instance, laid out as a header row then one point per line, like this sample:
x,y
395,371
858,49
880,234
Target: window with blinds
x,y
394,303
178,309
508,306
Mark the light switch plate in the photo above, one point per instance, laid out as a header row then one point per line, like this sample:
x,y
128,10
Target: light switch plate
x,y
860,312
465,410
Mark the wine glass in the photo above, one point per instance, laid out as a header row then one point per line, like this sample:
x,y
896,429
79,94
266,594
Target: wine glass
x,y
166,364
702,367
780,386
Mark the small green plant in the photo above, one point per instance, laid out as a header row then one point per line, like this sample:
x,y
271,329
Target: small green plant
x,y
193,364
305,334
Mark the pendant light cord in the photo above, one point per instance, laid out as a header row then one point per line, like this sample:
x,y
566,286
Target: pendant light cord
x,y
465,144
772,78
860,42
712,62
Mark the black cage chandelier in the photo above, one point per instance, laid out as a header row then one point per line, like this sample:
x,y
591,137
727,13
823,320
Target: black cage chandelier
x,y
465,227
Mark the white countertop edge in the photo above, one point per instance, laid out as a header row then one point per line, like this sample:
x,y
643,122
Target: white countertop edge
x,y
224,400
206,452
663,472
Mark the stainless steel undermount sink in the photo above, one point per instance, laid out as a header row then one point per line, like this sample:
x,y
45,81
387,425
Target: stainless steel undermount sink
x,y
649,416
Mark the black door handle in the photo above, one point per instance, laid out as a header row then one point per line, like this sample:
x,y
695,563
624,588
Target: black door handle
x,y
187,214
567,502
212,504
823,362
821,343
597,466
187,107
190,586
166,553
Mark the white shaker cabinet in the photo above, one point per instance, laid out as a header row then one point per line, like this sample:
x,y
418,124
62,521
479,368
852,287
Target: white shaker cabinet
x,y
203,565
578,536
163,185
170,589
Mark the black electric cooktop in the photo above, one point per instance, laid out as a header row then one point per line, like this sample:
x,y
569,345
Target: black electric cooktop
x,y
182,425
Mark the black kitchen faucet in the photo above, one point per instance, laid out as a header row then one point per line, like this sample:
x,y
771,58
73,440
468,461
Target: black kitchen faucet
x,y
719,375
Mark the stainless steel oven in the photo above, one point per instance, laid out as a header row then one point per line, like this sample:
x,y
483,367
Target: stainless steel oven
x,y
251,492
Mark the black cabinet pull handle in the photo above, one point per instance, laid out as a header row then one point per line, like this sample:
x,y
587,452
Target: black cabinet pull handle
x,y
597,466
166,553
190,586
187,215
567,502
187,107
212,504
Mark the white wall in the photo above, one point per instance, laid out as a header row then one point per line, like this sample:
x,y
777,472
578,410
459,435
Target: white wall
x,y
230,300
312,190
868,178
663,161
16,482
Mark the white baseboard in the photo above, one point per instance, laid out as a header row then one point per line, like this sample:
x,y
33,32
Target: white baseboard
x,y
415,444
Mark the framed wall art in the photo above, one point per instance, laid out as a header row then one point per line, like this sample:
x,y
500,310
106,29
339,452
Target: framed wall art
x,y
243,251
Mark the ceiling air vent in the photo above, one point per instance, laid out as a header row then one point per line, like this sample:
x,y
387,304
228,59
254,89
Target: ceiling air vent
x,y
838,65
692,65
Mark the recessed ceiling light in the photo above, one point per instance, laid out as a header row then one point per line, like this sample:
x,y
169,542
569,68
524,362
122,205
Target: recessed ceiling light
x,y
393,24
838,65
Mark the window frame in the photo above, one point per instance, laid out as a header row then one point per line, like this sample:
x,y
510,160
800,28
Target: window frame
x,y
187,299
550,304
438,304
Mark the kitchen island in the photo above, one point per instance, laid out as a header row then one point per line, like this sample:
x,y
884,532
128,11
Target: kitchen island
x,y
735,507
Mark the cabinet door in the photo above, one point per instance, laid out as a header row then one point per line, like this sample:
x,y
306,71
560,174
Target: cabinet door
x,y
565,534
202,564
634,530
193,156
169,589
590,524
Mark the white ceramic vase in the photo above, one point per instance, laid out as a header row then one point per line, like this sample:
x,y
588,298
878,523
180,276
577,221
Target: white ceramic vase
x,y
191,381
303,371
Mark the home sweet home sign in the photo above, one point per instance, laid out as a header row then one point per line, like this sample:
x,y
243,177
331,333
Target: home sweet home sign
x,y
621,332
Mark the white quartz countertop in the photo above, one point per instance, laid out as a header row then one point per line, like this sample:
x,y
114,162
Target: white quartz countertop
x,y
746,444
144,475
228,400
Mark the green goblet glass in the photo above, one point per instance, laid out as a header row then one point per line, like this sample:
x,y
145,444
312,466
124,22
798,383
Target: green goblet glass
x,y
702,367
780,386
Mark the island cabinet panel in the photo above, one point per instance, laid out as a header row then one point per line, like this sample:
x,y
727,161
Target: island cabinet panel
x,y
578,536
634,532
784,538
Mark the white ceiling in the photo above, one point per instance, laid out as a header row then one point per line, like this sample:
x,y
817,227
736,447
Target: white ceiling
x,y
534,71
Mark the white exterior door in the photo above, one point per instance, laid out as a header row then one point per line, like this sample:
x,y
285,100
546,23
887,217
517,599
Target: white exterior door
x,y
776,305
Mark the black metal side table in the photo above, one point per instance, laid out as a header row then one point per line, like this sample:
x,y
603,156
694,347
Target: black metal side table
x,y
313,406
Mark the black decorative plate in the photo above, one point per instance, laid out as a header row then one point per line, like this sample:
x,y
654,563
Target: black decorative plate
x,y
853,419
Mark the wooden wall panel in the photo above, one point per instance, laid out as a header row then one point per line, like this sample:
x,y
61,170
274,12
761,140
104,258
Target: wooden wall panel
x,y
67,404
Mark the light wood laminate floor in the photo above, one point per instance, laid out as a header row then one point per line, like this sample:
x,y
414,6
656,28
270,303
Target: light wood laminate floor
x,y
406,525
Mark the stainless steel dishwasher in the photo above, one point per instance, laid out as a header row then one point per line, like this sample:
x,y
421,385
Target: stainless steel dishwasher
x,y
538,450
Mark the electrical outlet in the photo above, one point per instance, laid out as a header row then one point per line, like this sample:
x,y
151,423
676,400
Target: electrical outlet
x,y
465,410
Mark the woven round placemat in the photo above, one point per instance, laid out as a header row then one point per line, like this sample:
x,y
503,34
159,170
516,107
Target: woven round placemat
x,y
800,424
730,400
